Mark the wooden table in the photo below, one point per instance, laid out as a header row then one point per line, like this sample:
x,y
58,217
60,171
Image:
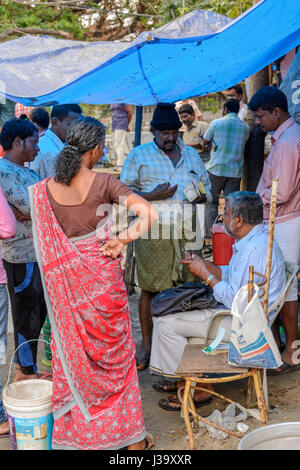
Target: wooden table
x,y
194,364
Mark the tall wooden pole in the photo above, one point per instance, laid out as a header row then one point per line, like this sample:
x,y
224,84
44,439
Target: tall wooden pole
x,y
270,245
129,270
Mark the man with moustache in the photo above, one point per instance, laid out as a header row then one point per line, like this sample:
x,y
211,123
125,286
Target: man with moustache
x,y
236,92
160,172
243,219
270,107
194,131
19,139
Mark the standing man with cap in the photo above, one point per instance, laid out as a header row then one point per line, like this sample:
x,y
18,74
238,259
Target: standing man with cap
x,y
163,171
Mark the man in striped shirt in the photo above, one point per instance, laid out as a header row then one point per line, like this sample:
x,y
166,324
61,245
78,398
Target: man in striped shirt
x,y
270,107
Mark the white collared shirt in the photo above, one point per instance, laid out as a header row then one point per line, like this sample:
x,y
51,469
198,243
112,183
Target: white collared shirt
x,y
251,250
50,146
243,111
147,165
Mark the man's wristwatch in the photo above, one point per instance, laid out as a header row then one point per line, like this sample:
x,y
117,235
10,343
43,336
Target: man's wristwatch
x,y
208,280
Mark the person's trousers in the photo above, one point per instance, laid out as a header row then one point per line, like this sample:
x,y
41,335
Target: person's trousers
x,y
218,184
28,310
120,146
171,333
3,340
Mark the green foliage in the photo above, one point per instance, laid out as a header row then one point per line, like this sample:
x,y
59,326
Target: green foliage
x,y
64,18
15,15
175,8
97,111
210,103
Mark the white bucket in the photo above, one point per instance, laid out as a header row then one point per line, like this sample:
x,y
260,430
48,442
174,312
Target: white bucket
x,y
281,436
28,405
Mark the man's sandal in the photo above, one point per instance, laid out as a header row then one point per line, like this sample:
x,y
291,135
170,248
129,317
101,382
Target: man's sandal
x,y
285,368
173,403
149,443
165,386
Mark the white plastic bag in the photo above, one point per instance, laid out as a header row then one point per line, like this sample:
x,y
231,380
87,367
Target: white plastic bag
x,y
251,342
227,419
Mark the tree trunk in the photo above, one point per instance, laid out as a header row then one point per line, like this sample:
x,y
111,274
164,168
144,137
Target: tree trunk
x,y
258,80
254,150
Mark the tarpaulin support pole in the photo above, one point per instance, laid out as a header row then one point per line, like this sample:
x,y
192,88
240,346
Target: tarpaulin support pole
x,y
129,270
138,125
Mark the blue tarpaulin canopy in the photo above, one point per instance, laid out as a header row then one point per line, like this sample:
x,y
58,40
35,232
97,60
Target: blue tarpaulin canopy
x,y
198,54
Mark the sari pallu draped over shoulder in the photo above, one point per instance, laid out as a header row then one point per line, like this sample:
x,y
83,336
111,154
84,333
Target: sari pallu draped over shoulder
x,y
88,310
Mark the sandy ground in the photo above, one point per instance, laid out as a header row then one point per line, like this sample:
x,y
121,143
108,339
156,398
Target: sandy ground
x,y
168,428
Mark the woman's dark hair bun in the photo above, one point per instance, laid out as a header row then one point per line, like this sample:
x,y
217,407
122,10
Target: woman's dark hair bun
x,y
83,134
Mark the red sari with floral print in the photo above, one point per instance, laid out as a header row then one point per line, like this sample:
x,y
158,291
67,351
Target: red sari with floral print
x,y
96,396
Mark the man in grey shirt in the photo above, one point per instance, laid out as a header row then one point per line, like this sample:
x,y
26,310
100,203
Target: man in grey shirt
x,y
19,139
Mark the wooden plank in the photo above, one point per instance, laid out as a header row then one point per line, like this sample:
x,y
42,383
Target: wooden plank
x,y
194,362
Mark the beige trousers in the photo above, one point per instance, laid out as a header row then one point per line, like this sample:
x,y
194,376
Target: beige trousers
x,y
120,147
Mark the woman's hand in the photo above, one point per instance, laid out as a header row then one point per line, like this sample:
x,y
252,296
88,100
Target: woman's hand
x,y
112,248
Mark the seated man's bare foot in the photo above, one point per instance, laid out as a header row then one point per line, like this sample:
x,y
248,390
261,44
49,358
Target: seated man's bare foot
x,y
201,395
167,385
200,398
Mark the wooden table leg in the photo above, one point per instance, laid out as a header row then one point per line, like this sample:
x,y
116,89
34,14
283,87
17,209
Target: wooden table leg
x,y
250,391
261,403
186,398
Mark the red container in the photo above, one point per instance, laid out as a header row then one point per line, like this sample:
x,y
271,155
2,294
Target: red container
x,y
222,245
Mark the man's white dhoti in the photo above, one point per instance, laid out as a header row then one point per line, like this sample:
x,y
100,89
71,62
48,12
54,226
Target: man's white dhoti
x,y
287,236
170,336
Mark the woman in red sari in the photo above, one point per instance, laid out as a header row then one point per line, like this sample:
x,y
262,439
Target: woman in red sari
x,y
96,395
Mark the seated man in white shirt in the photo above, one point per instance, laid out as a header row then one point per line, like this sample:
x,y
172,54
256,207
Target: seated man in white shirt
x,y
243,220
53,140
